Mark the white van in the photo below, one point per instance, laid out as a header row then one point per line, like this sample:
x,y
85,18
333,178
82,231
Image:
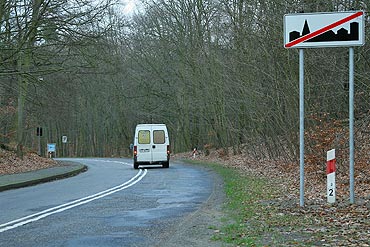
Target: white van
x,y
151,145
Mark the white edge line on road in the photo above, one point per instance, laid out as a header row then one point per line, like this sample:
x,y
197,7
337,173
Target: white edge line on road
x,y
37,216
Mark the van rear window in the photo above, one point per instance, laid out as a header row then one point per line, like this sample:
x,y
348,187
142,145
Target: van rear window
x,y
158,136
144,137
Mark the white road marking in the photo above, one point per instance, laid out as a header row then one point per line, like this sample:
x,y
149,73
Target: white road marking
x,y
40,215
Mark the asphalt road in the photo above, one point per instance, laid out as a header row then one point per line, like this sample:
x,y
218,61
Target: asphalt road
x,y
109,205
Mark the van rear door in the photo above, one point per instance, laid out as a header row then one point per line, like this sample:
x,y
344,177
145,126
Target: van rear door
x,y
144,147
159,146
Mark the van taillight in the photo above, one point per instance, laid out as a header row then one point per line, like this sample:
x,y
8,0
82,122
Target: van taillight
x,y
168,149
135,150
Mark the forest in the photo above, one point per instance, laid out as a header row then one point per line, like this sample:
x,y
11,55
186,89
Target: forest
x,y
215,71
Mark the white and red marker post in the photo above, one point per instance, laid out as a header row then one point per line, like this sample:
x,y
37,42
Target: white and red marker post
x,y
330,174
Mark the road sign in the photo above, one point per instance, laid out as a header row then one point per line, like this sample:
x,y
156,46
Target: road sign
x,y
305,30
64,139
39,131
51,147
325,30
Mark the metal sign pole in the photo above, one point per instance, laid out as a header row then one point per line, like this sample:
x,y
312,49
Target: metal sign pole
x,y
351,120
301,126
39,143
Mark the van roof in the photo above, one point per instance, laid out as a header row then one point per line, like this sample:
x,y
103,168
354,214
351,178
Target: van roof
x,y
150,125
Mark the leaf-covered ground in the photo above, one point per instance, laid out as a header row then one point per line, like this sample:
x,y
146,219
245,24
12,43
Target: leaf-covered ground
x,y
318,223
10,163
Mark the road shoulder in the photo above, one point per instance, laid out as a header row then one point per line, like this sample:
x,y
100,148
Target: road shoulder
x,y
197,228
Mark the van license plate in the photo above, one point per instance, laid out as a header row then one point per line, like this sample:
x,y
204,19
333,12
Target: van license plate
x,y
144,150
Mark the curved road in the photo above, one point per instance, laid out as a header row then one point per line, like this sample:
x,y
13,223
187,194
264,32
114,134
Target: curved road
x,y
109,205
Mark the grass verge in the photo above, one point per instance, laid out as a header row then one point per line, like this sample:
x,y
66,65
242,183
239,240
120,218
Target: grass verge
x,y
253,216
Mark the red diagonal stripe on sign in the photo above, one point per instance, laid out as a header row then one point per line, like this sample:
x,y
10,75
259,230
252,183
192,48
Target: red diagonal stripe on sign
x,y
323,30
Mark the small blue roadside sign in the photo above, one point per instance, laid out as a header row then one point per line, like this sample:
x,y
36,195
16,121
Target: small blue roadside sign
x,y
51,147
